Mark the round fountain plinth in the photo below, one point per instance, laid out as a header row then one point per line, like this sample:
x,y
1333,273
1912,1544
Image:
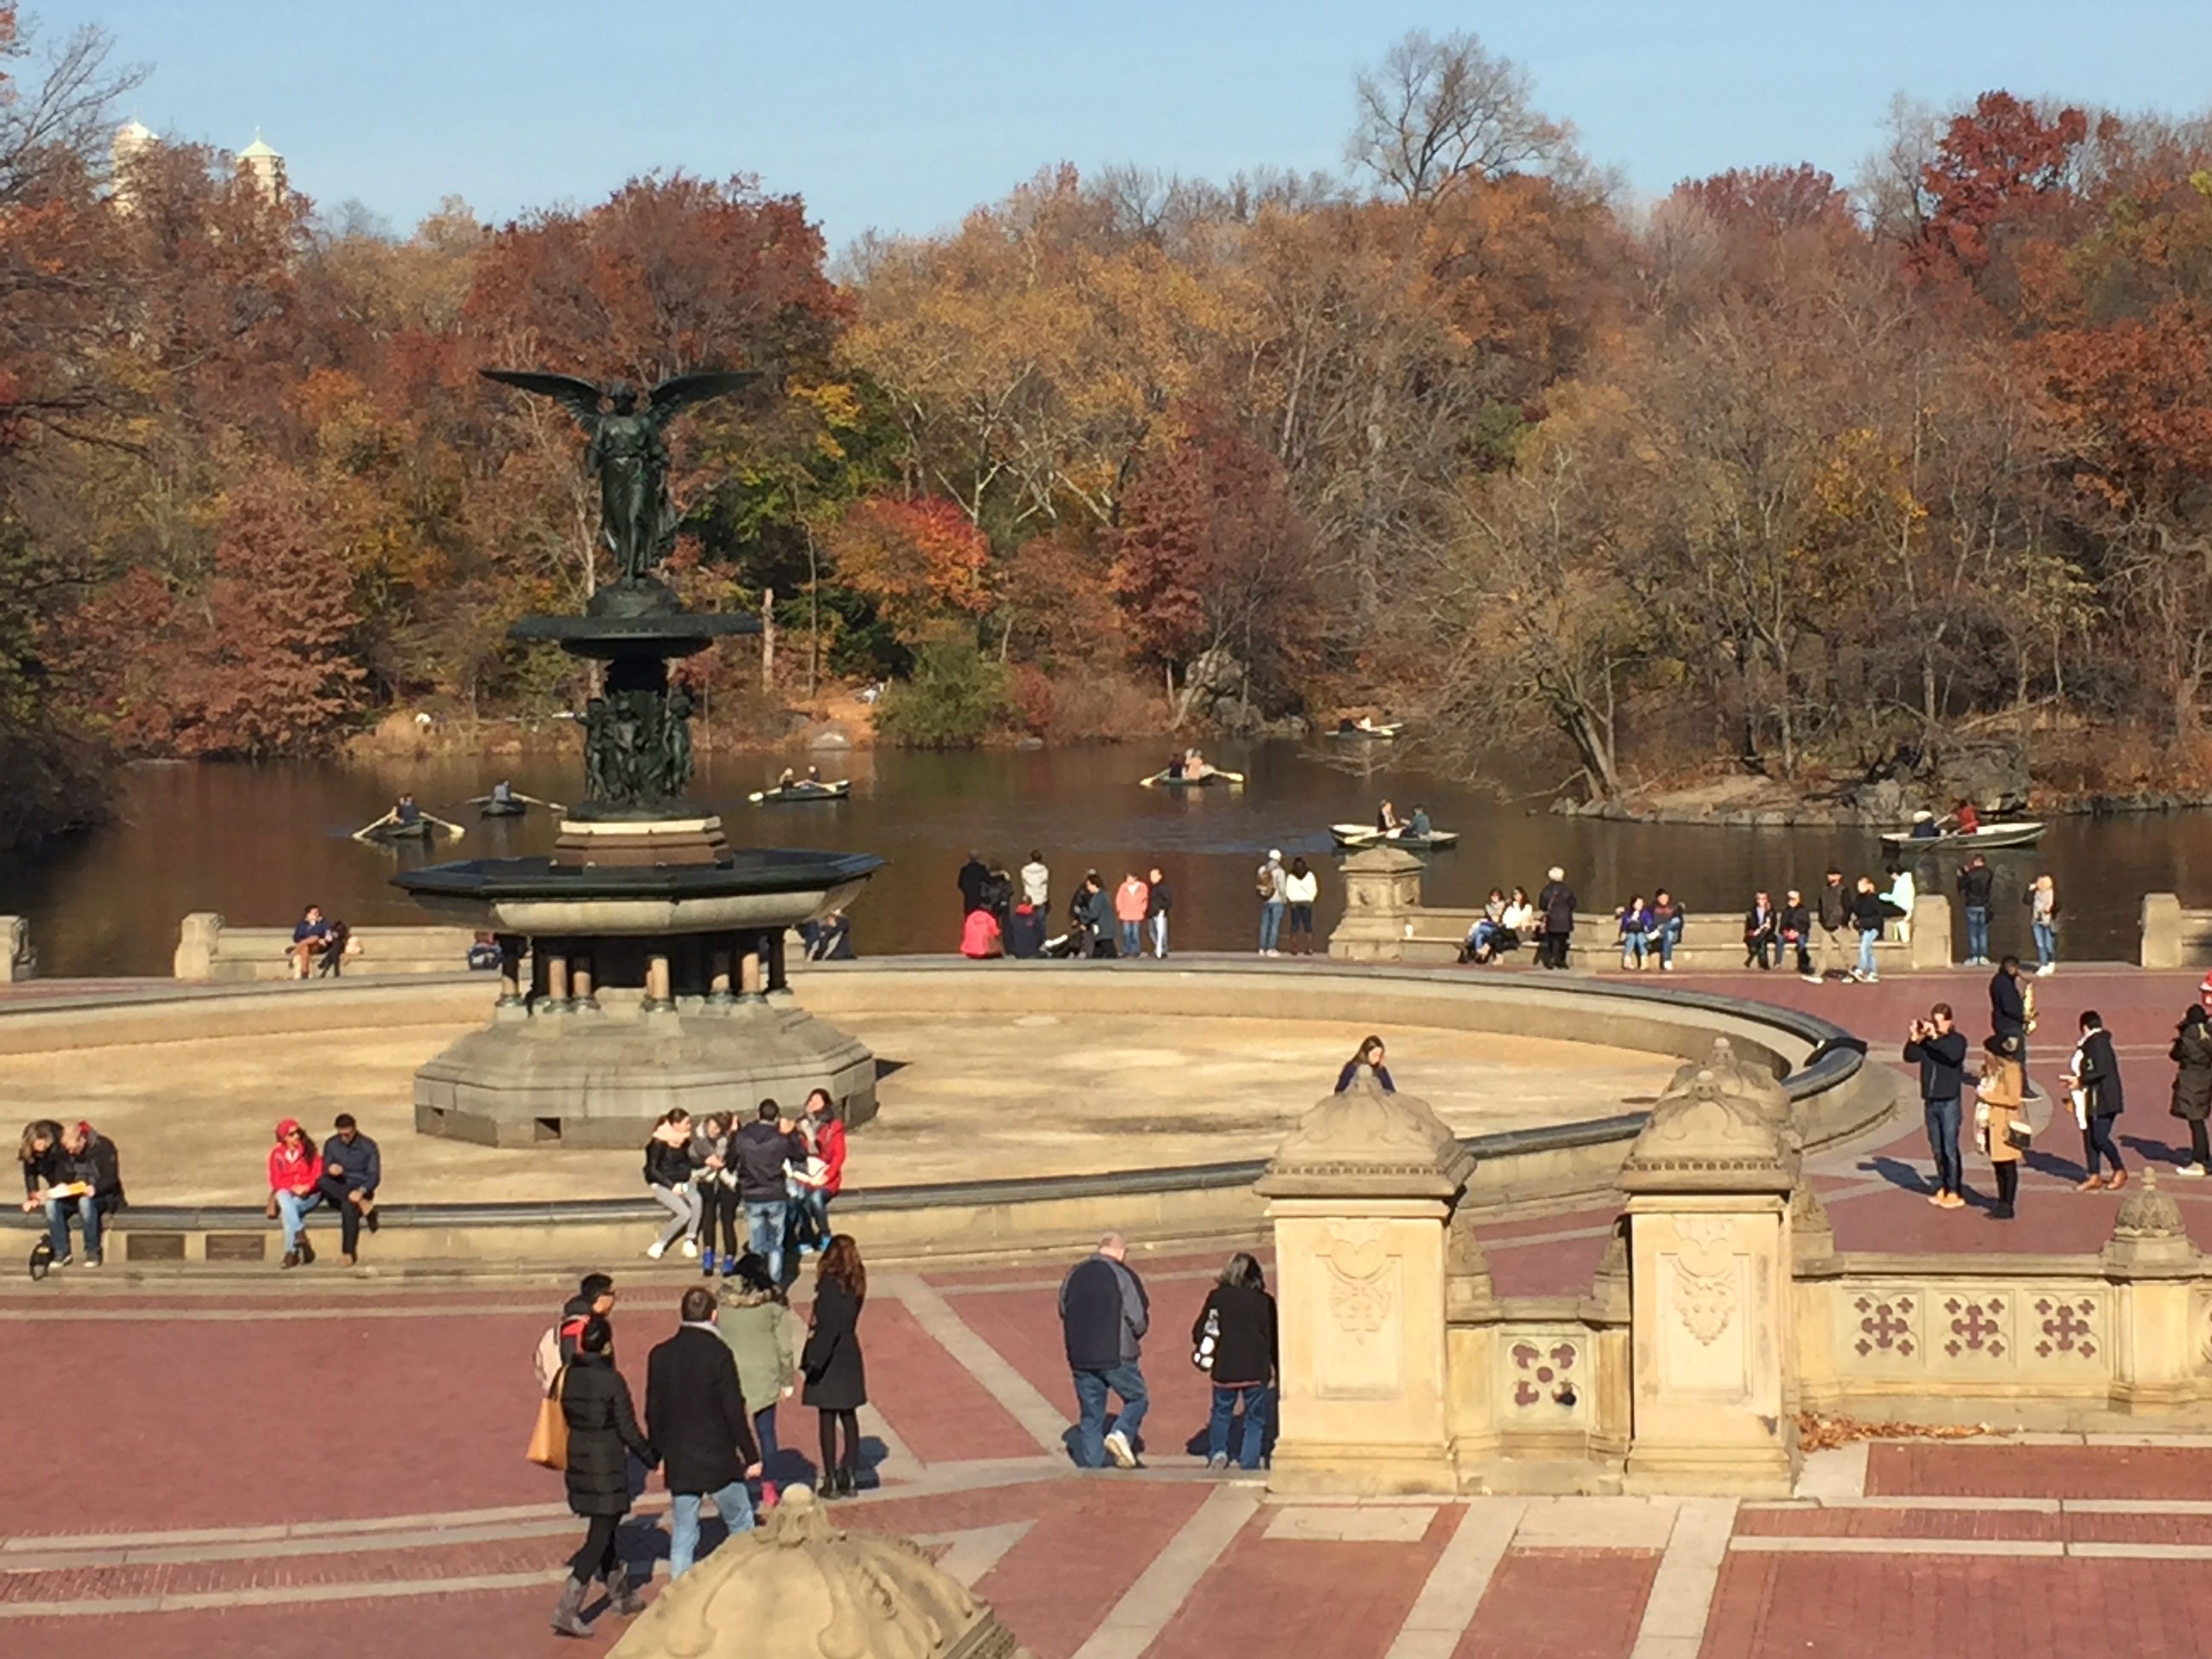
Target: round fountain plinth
x,y
642,970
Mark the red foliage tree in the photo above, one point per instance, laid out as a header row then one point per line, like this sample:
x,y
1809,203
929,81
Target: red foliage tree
x,y
1995,169
921,561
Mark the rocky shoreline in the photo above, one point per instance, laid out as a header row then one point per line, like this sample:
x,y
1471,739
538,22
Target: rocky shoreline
x,y
1832,814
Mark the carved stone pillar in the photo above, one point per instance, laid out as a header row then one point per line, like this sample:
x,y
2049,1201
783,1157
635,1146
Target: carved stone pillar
x,y
748,971
581,994
2155,1269
510,972
1471,1316
659,984
1381,886
555,952
1360,1193
1709,1182
718,961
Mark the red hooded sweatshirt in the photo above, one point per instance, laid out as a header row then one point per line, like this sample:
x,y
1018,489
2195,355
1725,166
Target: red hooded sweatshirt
x,y
829,1147
292,1168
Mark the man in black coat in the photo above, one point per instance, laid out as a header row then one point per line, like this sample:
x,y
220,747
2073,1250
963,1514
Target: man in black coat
x,y
695,1418
2009,1008
974,876
1555,907
1976,879
1940,1051
2096,1078
352,1171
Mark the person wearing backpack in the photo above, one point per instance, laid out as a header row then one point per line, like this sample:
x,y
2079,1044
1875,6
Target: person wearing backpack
x,y
1234,1340
594,1299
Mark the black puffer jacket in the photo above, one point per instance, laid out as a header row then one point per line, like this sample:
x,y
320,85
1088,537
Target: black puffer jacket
x,y
602,1430
666,1166
2192,1082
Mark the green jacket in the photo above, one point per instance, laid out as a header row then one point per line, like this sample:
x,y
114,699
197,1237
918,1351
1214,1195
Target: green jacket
x,y
760,1332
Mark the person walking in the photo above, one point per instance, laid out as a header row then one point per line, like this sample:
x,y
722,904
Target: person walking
x,y
594,1299
668,1177
2042,898
695,1418
295,1174
1835,910
2192,1055
1234,1339
1036,881
2093,1079
1555,905
2000,1104
1132,899
2008,1009
1301,887
1976,880
602,1437
762,1151
1370,1055
1103,1317
352,1171
834,1368
1940,1051
1159,899
763,1336
1867,917
1272,882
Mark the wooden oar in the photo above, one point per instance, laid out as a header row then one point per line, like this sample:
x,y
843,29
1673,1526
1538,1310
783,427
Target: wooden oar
x,y
368,830
550,805
444,823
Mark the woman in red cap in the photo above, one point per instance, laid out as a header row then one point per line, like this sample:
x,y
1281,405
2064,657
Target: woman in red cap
x,y
294,1169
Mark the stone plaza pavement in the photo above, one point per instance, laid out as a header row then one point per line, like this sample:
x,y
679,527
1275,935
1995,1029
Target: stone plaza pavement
x,y
335,1465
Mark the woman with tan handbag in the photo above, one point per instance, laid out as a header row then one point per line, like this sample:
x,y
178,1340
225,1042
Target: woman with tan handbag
x,y
2000,1119
602,1425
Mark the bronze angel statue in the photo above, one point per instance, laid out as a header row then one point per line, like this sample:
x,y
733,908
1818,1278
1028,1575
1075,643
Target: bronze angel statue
x,y
624,447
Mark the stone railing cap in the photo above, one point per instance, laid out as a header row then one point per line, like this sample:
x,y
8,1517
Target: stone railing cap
x,y
1709,1133
1382,860
1367,1143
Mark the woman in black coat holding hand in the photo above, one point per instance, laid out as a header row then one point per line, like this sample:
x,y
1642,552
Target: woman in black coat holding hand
x,y
837,1377
602,1432
2192,1055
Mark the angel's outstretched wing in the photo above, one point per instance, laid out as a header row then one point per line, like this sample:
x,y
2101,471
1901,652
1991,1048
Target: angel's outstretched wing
x,y
580,398
678,390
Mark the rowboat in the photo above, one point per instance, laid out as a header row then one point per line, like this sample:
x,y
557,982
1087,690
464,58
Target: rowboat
x,y
422,828
1382,733
502,809
1160,779
1987,839
1353,837
793,795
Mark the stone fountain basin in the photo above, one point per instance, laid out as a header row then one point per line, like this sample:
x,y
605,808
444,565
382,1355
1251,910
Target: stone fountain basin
x,y
756,887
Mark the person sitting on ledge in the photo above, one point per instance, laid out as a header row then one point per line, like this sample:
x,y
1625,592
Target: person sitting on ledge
x,y
484,953
980,938
70,1171
1371,1055
309,934
352,1171
294,1188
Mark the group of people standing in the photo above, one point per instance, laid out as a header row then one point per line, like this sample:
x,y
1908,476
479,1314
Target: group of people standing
x,y
712,1389
778,1172
1287,893
998,918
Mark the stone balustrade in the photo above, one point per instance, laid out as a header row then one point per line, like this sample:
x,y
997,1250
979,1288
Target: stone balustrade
x,y
18,960
1386,919
210,949
2172,937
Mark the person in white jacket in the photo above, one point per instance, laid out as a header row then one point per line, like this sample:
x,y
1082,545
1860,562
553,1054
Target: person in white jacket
x,y
1902,892
1301,887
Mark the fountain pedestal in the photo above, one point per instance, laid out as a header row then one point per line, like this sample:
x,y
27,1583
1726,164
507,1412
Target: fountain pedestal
x,y
655,950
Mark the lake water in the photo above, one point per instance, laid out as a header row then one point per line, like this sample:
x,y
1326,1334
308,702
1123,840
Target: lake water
x,y
257,842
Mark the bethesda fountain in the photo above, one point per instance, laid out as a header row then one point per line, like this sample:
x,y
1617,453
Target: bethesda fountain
x,y
641,964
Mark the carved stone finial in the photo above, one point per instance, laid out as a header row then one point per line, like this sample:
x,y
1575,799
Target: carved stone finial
x,y
801,1586
2149,1238
1367,1142
1711,1133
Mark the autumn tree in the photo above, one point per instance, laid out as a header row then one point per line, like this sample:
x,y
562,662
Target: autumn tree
x,y
1435,111
920,563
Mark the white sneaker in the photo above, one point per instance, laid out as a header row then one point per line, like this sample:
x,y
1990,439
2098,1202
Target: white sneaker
x,y
1118,1449
656,1249
1810,978
691,1249
2046,971
2191,1171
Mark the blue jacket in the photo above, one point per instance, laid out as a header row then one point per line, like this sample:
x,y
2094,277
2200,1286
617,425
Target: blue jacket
x,y
1103,1313
362,1169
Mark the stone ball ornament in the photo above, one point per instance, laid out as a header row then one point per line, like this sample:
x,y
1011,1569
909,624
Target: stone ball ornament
x,y
801,1587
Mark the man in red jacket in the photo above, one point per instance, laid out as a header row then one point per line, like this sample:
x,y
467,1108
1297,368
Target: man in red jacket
x,y
826,1175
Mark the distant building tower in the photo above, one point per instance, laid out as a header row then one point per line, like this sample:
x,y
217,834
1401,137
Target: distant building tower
x,y
131,140
265,166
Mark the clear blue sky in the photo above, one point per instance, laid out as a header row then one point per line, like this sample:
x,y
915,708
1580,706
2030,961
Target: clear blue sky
x,y
901,116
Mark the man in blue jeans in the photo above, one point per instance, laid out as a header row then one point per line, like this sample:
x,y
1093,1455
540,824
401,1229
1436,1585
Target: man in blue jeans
x,y
1975,881
760,1151
697,1417
1941,1054
1274,901
1104,1315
